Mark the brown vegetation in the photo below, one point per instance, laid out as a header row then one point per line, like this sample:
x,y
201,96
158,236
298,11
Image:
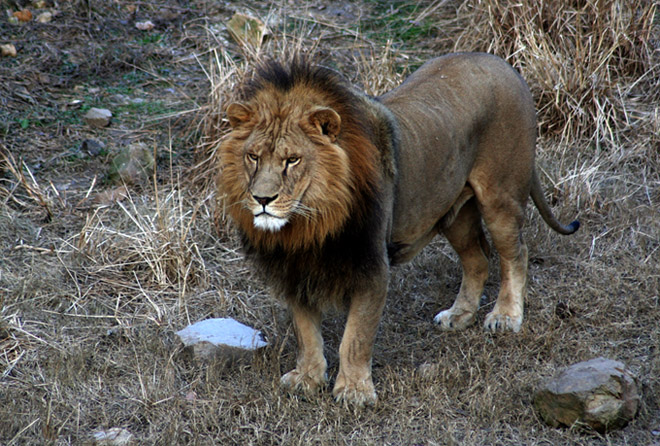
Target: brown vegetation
x,y
95,278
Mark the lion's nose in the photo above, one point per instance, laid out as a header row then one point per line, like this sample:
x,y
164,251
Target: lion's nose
x,y
264,200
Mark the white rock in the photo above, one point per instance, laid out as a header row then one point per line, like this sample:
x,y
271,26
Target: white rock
x,y
8,50
116,436
220,336
145,26
45,17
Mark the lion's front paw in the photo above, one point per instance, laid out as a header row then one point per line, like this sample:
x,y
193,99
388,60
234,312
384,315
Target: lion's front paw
x,y
356,394
499,323
454,320
299,381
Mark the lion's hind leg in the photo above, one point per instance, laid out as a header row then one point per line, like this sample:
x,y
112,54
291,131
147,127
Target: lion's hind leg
x,y
504,217
310,372
466,236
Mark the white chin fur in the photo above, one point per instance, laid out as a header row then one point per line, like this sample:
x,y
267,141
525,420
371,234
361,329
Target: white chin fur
x,y
269,223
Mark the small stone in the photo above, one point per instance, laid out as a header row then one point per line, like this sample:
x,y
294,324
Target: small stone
x,y
601,393
92,147
98,117
8,50
45,17
115,436
145,26
122,99
221,337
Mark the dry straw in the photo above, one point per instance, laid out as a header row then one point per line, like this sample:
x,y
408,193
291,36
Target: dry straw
x,y
153,242
584,59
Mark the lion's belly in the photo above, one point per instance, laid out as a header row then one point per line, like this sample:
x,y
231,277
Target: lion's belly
x,y
411,231
416,219
438,147
404,251
431,178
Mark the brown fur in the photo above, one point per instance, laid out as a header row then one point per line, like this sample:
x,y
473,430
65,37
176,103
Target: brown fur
x,y
329,187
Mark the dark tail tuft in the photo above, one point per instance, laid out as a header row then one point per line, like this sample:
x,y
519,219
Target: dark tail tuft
x,y
574,226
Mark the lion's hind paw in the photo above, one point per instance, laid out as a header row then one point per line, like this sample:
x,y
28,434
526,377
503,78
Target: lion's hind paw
x,y
356,396
500,323
450,320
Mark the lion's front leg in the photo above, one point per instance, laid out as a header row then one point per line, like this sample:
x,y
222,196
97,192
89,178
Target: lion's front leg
x,y
310,371
354,384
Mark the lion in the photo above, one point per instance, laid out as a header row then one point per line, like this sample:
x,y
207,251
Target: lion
x,y
329,188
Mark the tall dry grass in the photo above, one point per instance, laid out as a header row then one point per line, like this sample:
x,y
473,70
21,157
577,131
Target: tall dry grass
x,y
594,69
150,239
592,63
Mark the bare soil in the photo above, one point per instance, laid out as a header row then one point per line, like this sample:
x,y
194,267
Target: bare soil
x,y
96,277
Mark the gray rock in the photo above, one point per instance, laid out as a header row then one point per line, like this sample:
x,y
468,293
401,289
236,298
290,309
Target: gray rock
x,y
220,338
122,99
92,147
601,393
98,117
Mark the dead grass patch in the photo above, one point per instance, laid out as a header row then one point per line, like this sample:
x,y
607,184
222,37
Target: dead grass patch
x,y
92,292
588,61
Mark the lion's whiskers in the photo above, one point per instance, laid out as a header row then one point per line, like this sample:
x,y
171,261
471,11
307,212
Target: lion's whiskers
x,y
245,203
304,210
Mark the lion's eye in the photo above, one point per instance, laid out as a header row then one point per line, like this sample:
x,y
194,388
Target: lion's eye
x,y
252,157
292,160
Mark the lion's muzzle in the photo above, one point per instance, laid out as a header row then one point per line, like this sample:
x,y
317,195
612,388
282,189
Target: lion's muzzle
x,y
269,222
265,217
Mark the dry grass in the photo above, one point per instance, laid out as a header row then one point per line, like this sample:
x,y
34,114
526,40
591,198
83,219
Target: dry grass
x,y
94,283
588,61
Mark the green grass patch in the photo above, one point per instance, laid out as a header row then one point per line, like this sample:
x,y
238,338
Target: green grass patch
x,y
396,22
149,39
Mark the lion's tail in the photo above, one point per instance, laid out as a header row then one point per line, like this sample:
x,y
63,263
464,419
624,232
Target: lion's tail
x,y
546,212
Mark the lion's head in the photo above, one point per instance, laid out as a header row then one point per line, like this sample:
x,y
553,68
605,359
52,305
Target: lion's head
x,y
297,159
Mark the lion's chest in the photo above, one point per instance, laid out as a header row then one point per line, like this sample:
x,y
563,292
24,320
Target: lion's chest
x,y
320,277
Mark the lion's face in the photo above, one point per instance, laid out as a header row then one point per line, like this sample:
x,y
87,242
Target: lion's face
x,y
278,168
283,169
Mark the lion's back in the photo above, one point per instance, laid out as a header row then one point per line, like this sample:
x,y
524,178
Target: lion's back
x,y
453,112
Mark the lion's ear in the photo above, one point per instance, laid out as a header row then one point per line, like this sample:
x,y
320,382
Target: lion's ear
x,y
326,121
238,113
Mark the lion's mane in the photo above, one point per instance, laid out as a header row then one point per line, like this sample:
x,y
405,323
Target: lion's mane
x,y
296,259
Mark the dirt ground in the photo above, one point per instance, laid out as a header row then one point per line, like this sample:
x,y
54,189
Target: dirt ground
x,y
99,271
